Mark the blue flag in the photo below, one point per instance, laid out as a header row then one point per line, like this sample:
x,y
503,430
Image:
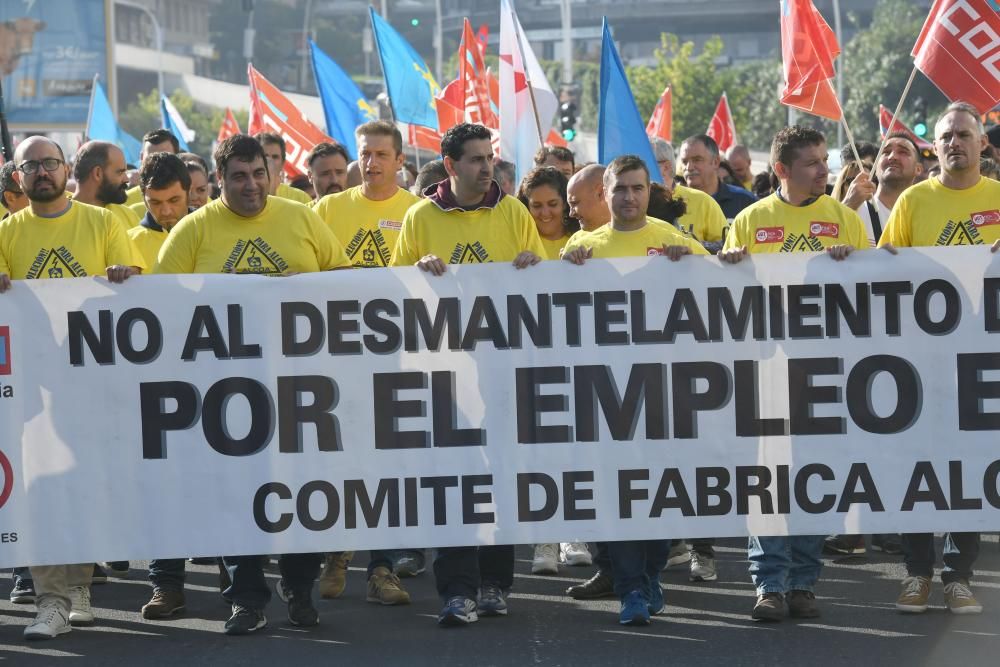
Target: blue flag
x,y
173,123
102,126
344,105
408,80
620,129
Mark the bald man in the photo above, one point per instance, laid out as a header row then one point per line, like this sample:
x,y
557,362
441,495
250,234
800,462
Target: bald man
x,y
102,180
585,194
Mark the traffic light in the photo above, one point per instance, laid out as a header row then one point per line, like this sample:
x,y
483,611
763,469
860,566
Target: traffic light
x,y
567,120
920,129
920,113
415,22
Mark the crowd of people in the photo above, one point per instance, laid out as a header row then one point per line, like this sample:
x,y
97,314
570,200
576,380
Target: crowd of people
x,y
182,216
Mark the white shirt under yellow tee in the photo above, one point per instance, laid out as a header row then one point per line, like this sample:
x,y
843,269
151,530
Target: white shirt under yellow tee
x,y
368,229
772,225
930,214
607,242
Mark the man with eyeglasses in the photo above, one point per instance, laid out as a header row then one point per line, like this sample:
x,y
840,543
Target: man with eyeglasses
x,y
11,196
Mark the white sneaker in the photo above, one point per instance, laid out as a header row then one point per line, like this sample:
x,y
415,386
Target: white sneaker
x,y
576,553
546,559
50,622
80,613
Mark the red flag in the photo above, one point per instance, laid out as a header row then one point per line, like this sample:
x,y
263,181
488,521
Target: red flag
x,y
885,118
808,49
721,127
483,38
229,126
959,50
472,74
556,139
661,122
271,111
424,137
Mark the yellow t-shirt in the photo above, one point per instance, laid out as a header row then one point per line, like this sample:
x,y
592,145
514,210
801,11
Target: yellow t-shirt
x,y
83,241
147,242
467,237
771,225
930,214
606,241
134,196
553,249
139,209
126,216
284,237
368,229
285,191
704,218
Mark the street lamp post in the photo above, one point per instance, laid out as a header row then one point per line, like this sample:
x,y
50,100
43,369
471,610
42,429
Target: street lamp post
x,y
158,32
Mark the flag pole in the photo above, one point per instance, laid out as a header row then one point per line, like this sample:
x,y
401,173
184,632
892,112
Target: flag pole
x,y
90,108
895,115
527,77
850,137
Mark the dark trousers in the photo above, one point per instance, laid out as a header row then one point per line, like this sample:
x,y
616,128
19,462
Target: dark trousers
x,y
704,546
379,559
167,574
636,564
959,555
249,587
602,560
463,570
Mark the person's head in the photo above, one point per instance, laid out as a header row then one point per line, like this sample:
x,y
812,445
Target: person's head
x,y
959,138
556,156
993,145
468,157
847,174
664,154
626,189
274,154
699,160
867,151
159,141
798,156
354,174
193,157
585,196
764,184
328,168
663,205
201,188
430,174
989,168
11,195
506,176
41,169
165,184
738,157
898,164
543,192
241,169
99,169
380,153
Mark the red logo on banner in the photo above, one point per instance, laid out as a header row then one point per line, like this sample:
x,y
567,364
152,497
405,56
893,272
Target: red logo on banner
x,y
8,479
4,350
770,235
830,229
986,218
653,252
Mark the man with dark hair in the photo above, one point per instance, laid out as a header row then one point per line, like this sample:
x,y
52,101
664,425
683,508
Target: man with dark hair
x,y
799,217
558,157
155,141
867,151
102,180
274,150
328,168
166,185
467,219
11,196
506,176
699,159
246,231
430,174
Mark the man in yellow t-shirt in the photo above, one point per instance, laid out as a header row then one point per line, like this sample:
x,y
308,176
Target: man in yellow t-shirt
x,y
165,183
102,178
738,157
958,207
799,217
55,237
585,195
327,169
274,149
156,141
367,218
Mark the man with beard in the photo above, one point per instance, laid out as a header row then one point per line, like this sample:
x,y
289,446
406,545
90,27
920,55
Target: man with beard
x,y
327,169
55,237
102,180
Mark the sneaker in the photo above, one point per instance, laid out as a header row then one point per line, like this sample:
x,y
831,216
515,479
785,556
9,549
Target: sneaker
x,y
204,560
384,588
679,554
99,576
458,612
959,598
80,612
245,620
117,568
575,554
51,621
802,604
913,599
846,545
598,586
301,611
492,601
656,603
635,609
702,567
283,592
890,544
546,560
769,607
409,564
333,580
23,591
163,604
224,582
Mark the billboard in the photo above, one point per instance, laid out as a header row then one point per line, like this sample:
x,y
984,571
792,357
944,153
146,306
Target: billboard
x,y
49,54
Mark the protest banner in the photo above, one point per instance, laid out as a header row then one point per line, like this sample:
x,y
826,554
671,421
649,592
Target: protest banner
x,y
638,398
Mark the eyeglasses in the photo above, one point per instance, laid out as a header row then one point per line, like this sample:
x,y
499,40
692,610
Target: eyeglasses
x,y
31,166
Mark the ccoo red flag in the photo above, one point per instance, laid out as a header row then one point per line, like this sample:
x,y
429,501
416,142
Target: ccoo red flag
x,y
661,122
229,126
722,128
808,49
271,111
885,118
959,50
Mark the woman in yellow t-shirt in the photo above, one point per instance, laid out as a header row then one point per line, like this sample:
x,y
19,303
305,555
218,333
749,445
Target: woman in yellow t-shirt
x,y
543,192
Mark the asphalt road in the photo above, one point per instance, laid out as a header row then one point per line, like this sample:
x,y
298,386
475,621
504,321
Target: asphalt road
x,y
705,623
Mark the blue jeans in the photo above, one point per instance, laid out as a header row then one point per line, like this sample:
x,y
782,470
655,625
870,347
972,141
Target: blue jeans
x,y
167,574
463,570
636,564
959,555
782,564
249,587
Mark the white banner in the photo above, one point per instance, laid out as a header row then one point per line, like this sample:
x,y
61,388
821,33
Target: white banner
x,y
207,415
